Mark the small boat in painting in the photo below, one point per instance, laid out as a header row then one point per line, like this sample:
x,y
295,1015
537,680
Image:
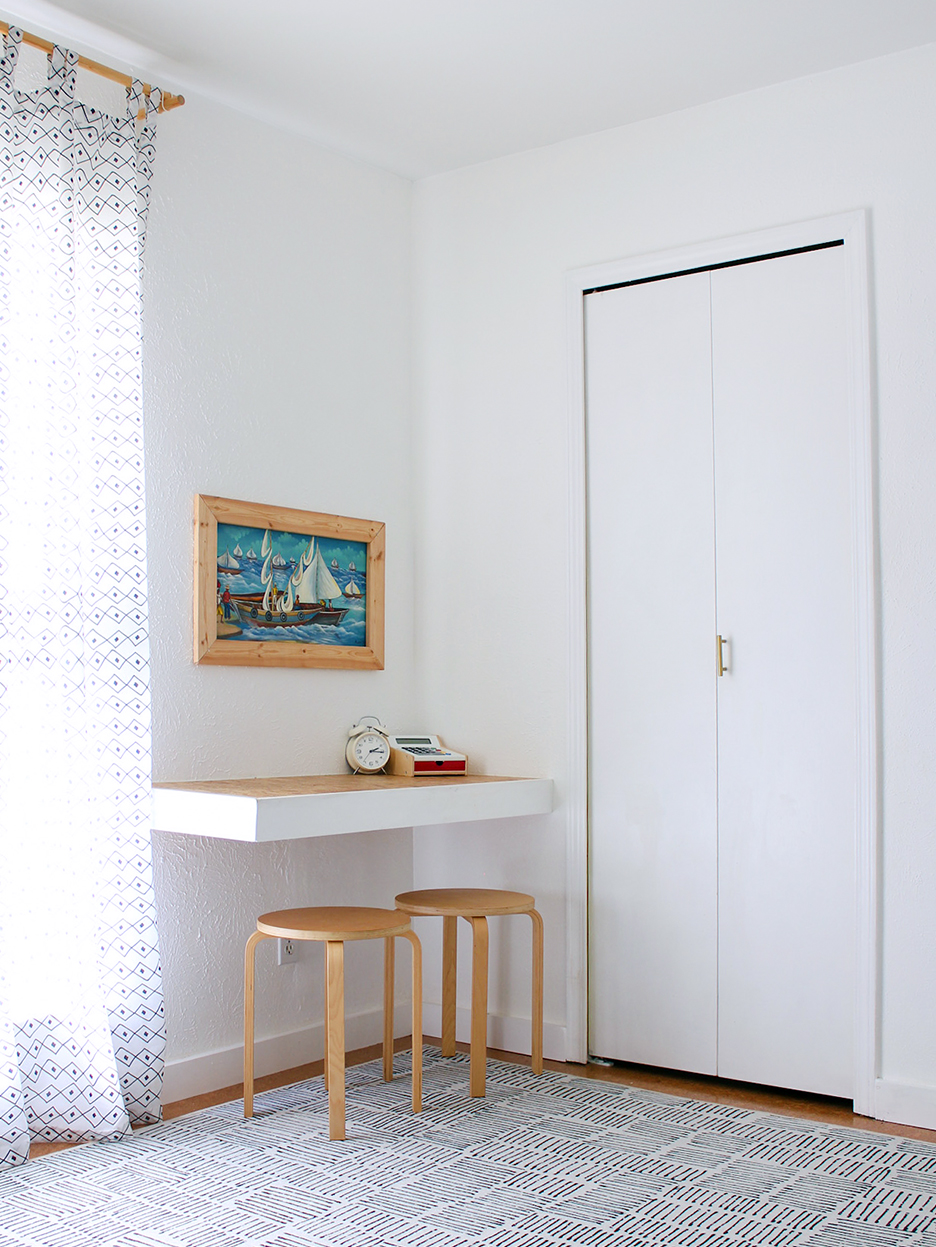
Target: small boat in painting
x,y
226,563
238,552
351,567
352,591
250,553
279,562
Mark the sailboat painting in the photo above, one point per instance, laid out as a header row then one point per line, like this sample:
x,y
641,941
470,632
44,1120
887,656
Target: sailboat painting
x,y
279,587
299,590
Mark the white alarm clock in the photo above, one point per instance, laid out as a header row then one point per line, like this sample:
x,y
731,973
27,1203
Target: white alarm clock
x,y
368,748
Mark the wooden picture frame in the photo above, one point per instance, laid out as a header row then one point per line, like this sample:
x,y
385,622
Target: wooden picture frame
x,y
220,608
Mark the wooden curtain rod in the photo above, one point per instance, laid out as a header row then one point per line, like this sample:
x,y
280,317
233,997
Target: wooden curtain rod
x,y
105,71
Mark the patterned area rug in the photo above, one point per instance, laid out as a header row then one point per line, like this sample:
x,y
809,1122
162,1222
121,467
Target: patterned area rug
x,y
555,1161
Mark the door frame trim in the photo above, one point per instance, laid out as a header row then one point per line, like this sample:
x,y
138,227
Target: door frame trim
x,y
852,228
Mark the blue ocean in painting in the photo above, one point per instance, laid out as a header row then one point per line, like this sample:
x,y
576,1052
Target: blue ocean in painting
x,y
292,578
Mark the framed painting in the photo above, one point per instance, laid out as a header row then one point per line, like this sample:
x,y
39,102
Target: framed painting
x,y
277,587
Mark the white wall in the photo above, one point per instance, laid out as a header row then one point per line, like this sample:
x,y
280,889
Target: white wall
x,y
493,243
277,370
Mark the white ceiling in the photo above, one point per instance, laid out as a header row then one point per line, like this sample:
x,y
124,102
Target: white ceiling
x,y
421,86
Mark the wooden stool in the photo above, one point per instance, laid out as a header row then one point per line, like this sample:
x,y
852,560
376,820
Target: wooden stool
x,y
333,925
476,905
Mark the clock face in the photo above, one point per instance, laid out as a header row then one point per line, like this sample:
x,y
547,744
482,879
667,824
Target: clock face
x,y
370,751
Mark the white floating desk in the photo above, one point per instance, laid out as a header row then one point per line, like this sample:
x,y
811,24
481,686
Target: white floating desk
x,y
297,807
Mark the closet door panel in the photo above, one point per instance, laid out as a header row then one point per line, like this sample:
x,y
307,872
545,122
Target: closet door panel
x,y
786,709
652,858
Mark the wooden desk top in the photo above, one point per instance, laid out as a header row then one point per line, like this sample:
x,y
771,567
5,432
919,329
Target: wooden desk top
x,y
310,785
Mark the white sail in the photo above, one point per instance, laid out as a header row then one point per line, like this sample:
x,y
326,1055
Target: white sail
x,y
298,576
328,586
266,575
238,552
351,567
250,553
352,591
278,561
230,564
266,572
306,591
317,583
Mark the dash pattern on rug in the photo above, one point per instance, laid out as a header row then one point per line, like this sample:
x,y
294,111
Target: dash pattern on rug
x,y
549,1161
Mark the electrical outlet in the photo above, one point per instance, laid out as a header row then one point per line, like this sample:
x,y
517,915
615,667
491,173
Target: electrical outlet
x,y
287,951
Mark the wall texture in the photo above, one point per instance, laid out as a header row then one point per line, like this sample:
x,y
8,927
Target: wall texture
x,y
493,244
277,370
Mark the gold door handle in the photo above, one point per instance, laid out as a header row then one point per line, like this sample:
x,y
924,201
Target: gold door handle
x,y
723,667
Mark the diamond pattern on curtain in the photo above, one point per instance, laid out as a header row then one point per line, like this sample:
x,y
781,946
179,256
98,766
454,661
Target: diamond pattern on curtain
x,y
81,1017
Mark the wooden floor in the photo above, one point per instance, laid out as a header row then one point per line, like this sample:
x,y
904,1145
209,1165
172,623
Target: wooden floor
x,y
693,1086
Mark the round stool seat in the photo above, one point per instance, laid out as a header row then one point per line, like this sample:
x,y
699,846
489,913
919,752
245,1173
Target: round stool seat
x,y
465,902
333,922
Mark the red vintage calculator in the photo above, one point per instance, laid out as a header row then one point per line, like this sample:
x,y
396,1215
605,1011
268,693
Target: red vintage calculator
x,y
423,757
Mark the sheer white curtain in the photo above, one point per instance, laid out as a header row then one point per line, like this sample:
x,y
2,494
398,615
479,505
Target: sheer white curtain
x,y
81,1029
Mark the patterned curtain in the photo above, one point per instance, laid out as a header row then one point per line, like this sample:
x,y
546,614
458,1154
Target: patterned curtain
x,y
81,1020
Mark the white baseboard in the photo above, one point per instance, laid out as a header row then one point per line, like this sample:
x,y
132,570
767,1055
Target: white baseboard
x,y
508,1033
210,1071
197,1075
909,1104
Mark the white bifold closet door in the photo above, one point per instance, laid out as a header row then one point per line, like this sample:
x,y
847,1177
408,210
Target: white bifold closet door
x,y
653,855
722,808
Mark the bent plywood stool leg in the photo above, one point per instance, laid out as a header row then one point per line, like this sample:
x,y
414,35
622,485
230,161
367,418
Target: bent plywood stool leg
x,y
388,1005
325,1024
417,1019
250,969
449,980
479,992
334,1031
536,1039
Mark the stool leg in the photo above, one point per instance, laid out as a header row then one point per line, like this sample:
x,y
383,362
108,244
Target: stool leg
x,y
325,1027
479,988
536,1046
249,973
449,977
389,947
334,1026
417,1020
